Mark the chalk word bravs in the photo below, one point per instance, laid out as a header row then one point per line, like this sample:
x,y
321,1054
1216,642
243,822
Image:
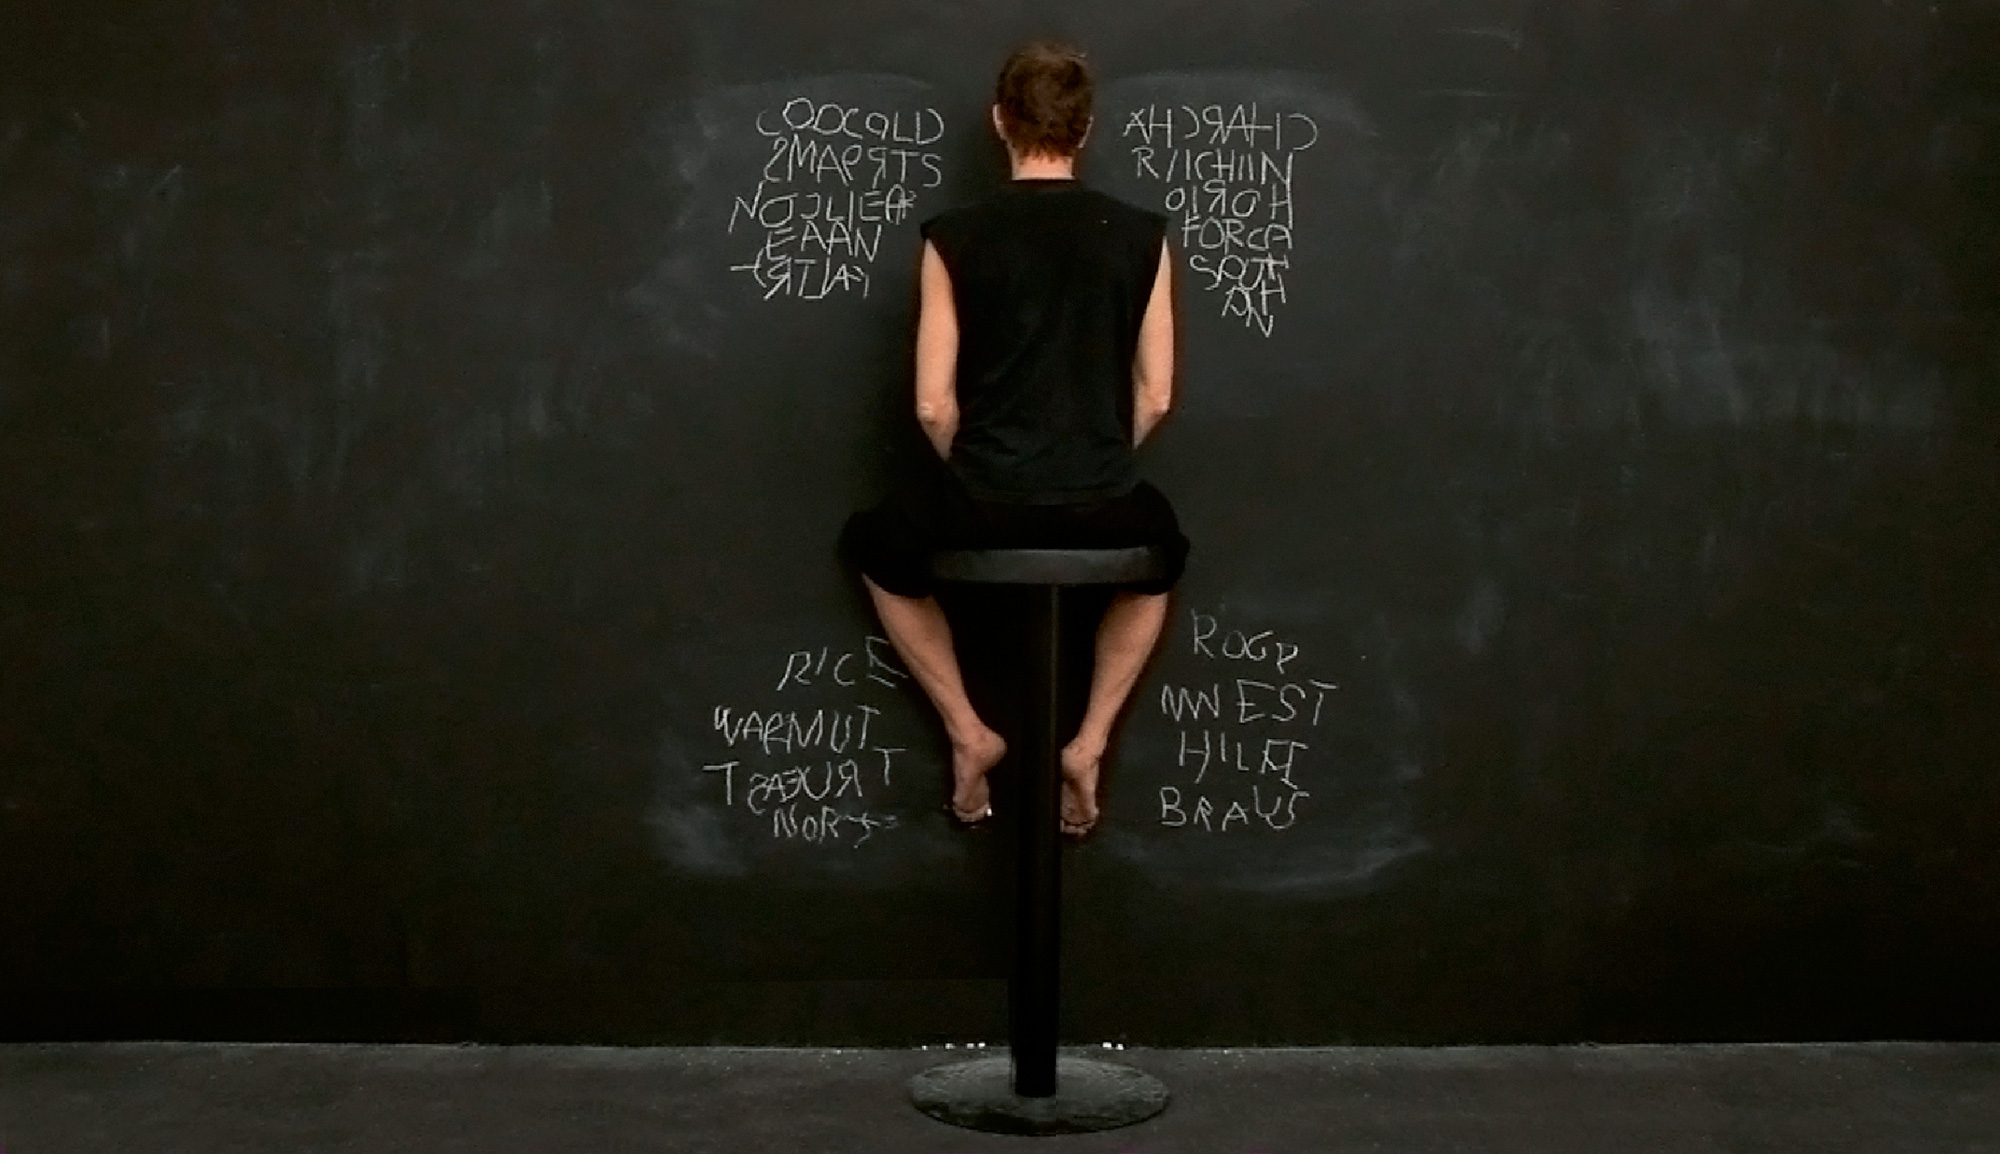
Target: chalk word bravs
x,y
1228,176
807,769
1241,735
835,177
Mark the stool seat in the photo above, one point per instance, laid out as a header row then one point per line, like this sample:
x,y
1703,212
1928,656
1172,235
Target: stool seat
x,y
1050,566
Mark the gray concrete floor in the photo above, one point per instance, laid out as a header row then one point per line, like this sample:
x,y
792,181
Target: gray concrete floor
x,y
301,1099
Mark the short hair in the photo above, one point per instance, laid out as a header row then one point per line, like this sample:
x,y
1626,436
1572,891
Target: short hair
x,y
1044,94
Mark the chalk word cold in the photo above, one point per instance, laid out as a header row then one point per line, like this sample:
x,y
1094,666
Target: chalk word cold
x,y
1227,173
834,177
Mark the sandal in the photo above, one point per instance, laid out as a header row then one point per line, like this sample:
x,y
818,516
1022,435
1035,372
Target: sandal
x,y
972,821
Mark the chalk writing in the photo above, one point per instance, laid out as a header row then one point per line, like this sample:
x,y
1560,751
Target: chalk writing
x,y
835,176
1227,176
805,771
1240,738
876,664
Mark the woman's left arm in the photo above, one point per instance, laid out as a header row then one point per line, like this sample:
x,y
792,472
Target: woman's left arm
x,y
937,354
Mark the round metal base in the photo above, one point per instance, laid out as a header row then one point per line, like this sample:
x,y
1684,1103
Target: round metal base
x,y
1089,1096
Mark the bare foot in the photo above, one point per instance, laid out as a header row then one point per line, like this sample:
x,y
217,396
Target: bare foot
x,y
1079,787
970,797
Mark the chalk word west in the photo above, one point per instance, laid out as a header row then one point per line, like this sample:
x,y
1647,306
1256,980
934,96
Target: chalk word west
x,y
1241,736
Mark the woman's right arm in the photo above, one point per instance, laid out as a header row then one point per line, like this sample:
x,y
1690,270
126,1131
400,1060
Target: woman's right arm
x,y
1153,364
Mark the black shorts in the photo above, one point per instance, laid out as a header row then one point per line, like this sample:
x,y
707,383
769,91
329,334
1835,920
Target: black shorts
x,y
893,542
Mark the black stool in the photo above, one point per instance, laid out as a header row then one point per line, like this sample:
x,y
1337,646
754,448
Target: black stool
x,y
1044,1096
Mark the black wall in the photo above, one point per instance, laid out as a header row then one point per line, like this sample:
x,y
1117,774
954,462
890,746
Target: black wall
x,y
411,517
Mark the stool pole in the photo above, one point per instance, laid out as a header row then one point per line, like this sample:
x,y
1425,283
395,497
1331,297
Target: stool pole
x,y
1038,900
1018,1094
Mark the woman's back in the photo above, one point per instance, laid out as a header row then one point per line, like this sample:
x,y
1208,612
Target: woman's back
x,y
1050,281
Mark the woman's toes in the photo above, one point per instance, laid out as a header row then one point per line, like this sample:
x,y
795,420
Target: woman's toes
x,y
970,795
971,798
1079,788
1079,806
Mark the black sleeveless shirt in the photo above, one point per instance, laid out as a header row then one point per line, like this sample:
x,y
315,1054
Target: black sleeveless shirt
x,y
1050,280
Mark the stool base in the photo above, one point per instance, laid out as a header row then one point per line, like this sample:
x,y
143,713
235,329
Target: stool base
x,y
1090,1095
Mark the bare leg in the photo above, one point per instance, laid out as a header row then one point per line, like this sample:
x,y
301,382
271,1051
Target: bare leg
x,y
1130,629
921,635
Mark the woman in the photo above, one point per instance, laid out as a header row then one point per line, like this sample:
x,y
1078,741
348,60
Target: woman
x,y
1044,358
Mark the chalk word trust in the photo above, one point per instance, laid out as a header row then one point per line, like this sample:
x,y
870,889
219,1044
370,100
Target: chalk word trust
x,y
836,175
802,769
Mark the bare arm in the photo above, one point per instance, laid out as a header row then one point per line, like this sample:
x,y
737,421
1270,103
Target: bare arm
x,y
1153,364
937,354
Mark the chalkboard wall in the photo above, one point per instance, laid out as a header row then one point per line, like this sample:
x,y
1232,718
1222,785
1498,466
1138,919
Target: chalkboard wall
x,y
424,428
